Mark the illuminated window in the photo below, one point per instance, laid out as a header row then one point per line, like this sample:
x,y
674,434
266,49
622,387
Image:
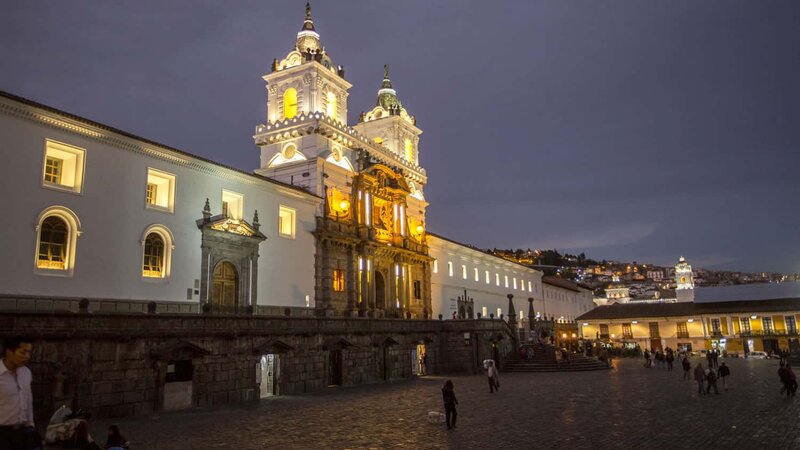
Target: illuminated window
x,y
153,256
450,268
57,231
156,252
331,107
791,325
497,279
766,322
529,287
682,330
52,170
409,150
286,222
464,271
477,275
745,324
506,280
289,103
499,312
488,279
435,266
160,190
53,237
232,204
515,282
484,312
338,280
63,166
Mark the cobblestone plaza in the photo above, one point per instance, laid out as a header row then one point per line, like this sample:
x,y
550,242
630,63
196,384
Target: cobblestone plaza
x,y
628,407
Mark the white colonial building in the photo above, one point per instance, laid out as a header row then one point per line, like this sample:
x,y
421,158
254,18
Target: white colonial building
x,y
332,221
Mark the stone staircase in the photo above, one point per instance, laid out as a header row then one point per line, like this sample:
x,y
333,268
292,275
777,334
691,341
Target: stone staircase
x,y
544,360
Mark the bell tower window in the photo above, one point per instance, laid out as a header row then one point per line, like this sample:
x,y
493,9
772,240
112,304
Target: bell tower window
x,y
331,107
289,103
409,150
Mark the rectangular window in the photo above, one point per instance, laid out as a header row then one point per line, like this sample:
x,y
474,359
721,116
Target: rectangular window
x,y
497,278
515,282
477,275
791,325
745,325
768,328
603,331
160,190
506,279
63,166
463,271
715,326
435,266
232,204
683,330
499,312
417,289
529,287
338,280
627,333
484,313
654,330
52,170
286,222
449,268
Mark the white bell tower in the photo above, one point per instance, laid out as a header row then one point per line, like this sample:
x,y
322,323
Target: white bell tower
x,y
684,281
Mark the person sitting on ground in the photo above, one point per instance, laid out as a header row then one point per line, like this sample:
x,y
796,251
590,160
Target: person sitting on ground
x,y
116,441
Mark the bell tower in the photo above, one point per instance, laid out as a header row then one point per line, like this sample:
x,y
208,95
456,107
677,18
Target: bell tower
x,y
684,281
306,81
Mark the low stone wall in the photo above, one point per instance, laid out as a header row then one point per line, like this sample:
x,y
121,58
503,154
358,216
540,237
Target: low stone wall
x,y
118,365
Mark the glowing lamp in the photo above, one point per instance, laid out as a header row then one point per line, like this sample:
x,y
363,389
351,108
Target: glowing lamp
x,y
420,229
754,317
635,322
574,335
564,335
690,320
613,335
586,324
344,205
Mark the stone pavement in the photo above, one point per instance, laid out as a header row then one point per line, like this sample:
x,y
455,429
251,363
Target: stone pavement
x,y
629,407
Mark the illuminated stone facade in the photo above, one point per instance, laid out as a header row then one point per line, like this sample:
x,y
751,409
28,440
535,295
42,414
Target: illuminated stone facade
x,y
684,281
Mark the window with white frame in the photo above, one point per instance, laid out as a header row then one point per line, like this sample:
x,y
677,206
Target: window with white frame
x,y
791,325
57,232
506,280
464,271
497,278
286,222
232,204
484,312
499,312
157,247
63,166
488,279
477,274
449,268
515,283
435,266
160,190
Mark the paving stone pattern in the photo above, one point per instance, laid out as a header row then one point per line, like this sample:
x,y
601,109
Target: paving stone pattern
x,y
628,407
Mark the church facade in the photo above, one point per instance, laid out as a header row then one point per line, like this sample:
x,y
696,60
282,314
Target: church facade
x,y
332,222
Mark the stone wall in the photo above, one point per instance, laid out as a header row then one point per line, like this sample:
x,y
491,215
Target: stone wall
x,y
117,365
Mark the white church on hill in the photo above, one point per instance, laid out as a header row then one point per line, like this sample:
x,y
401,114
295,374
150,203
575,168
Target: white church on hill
x,y
331,223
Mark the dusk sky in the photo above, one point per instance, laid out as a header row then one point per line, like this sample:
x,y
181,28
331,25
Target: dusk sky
x,y
629,130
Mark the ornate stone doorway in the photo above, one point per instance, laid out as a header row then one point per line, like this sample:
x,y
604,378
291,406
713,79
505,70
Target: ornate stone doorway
x,y
225,289
380,291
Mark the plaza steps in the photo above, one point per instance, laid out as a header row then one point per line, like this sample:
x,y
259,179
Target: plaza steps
x,y
544,360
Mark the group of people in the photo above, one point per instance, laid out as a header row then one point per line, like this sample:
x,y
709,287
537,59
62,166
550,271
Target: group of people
x,y
709,376
658,359
449,395
17,428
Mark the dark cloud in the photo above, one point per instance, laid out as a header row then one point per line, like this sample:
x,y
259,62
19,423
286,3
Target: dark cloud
x,y
628,129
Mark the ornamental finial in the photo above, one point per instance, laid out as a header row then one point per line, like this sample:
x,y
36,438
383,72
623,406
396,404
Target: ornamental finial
x,y
308,10
385,71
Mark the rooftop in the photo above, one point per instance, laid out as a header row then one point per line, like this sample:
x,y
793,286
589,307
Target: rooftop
x,y
644,310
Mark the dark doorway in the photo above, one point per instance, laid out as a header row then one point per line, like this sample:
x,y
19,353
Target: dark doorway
x,y
335,368
226,285
771,346
380,291
655,344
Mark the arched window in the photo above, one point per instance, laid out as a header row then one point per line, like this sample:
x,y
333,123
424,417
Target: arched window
x,y
409,149
57,232
331,109
153,265
157,244
53,240
289,103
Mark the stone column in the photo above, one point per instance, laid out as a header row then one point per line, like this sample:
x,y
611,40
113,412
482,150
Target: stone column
x,y
512,314
530,314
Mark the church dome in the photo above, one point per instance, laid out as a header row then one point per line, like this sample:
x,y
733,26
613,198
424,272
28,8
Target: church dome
x,y
387,96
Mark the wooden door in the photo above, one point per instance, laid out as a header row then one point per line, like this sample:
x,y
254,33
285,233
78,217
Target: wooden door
x,y
226,286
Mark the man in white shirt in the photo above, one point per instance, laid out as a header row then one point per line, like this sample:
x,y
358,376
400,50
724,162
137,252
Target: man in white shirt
x,y
491,374
16,399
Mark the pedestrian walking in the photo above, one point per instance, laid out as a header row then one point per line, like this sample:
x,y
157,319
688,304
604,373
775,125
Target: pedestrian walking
x,y
792,379
711,378
450,402
17,430
723,372
492,378
670,359
783,374
687,366
699,376
647,358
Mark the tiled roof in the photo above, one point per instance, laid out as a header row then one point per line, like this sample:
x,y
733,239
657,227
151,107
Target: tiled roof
x,y
644,310
560,282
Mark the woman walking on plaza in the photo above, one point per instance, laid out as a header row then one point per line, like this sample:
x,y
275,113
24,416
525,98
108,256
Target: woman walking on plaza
x,y
686,367
450,402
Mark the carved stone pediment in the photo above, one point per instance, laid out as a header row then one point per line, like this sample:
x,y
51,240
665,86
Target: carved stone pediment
x,y
228,225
